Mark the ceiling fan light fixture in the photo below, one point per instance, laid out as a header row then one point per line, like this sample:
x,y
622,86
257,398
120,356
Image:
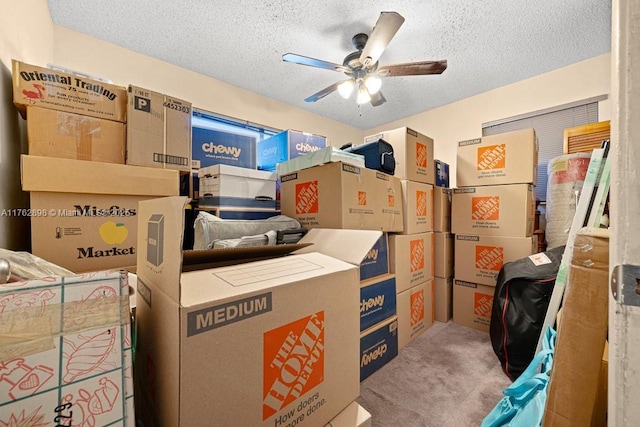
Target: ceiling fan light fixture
x,y
363,95
373,84
345,88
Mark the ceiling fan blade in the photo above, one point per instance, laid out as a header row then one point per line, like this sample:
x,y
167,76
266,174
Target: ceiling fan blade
x,y
387,26
413,69
312,62
324,92
377,99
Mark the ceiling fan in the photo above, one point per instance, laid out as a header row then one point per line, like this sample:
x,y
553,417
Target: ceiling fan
x,y
362,67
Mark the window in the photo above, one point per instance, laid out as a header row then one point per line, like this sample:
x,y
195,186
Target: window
x,y
549,126
207,120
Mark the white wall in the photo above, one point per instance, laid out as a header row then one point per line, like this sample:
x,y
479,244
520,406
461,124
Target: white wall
x,y
26,34
463,119
87,54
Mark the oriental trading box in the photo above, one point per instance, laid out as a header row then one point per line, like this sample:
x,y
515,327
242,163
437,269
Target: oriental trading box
x,y
415,312
290,328
417,204
54,133
158,130
68,352
46,88
443,298
84,214
353,415
443,254
378,346
441,209
506,158
231,186
287,145
493,210
337,195
411,259
480,258
413,153
472,304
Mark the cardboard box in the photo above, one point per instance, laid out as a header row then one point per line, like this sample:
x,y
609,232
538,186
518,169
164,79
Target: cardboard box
x,y
213,147
493,210
443,298
442,174
190,185
415,312
577,360
324,155
84,214
506,158
411,259
337,195
353,415
231,186
441,209
417,205
287,145
472,304
60,134
289,325
443,255
42,87
378,346
378,301
480,258
158,130
68,350
413,153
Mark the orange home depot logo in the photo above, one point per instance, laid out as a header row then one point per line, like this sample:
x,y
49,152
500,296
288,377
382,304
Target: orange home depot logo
x,y
362,198
391,200
485,208
421,203
492,157
293,362
421,155
417,307
482,305
489,257
307,198
416,248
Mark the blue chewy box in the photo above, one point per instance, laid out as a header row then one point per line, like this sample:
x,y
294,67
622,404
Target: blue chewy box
x,y
211,147
377,302
287,145
442,174
376,263
378,347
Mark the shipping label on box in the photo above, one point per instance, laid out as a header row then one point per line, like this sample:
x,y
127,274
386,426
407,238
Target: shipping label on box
x,y
411,259
415,312
211,147
413,153
417,199
68,353
472,304
443,255
73,136
441,209
443,298
377,301
480,258
287,145
378,346
493,210
506,158
46,88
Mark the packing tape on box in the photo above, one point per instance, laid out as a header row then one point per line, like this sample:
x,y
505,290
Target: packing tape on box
x,y
32,330
83,128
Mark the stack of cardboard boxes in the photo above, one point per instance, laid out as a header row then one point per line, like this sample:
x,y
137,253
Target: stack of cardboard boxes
x,y
443,246
493,212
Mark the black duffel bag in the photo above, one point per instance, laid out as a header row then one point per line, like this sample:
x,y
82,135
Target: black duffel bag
x,y
520,301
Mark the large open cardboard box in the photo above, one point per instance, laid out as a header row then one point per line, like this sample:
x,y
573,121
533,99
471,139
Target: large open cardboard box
x,y
262,343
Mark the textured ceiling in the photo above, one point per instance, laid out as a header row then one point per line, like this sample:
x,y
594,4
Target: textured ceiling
x,y
487,43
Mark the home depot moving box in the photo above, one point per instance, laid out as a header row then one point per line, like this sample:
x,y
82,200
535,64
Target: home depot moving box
x,y
506,158
42,87
472,304
411,259
415,312
285,329
480,258
378,346
67,354
413,153
84,214
337,195
443,254
493,210
353,415
54,133
158,130
443,298
417,204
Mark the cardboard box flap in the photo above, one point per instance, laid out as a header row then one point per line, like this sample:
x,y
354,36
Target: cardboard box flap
x,y
49,174
350,246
